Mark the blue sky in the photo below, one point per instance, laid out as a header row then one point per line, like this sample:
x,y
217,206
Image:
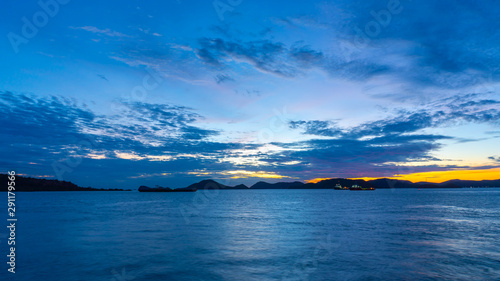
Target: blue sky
x,y
123,93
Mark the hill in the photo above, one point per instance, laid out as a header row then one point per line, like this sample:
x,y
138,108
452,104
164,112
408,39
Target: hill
x,y
211,184
278,185
330,183
34,184
469,183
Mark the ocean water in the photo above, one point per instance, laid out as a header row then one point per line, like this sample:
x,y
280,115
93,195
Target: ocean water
x,y
388,234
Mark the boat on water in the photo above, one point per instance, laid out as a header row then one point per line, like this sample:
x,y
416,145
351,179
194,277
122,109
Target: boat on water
x,y
339,187
165,189
357,187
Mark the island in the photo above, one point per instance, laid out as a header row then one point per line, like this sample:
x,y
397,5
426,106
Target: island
x,y
35,184
143,188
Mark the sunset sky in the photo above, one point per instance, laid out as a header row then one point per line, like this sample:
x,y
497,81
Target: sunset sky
x,y
126,93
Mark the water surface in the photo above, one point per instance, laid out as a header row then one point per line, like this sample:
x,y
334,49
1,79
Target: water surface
x,y
259,235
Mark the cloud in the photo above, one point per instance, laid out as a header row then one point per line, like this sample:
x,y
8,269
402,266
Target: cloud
x,y
242,174
456,110
494,158
52,129
30,119
300,21
388,145
264,55
221,78
106,31
279,59
142,138
317,127
305,56
102,77
378,157
447,50
455,46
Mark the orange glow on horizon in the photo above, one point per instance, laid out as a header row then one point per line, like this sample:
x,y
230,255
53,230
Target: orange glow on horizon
x,y
316,180
438,176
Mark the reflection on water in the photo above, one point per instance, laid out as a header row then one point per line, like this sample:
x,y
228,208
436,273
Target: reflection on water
x,y
260,235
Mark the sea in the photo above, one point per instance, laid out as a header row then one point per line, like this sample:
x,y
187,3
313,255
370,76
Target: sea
x,y
386,234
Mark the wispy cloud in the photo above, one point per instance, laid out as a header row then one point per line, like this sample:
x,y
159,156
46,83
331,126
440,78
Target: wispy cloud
x,y
106,31
47,129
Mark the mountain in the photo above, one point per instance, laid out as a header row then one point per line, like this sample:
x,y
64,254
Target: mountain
x,y
330,183
469,183
391,183
34,184
278,185
211,184
240,186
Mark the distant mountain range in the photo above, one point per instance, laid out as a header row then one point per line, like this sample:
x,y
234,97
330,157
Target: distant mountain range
x,y
34,184
330,183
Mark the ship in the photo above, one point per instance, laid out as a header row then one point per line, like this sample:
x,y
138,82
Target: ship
x,y
357,187
339,187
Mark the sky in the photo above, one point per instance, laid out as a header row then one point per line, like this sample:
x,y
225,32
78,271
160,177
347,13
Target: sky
x,y
126,93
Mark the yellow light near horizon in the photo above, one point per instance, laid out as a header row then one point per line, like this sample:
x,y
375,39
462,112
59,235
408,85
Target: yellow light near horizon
x,y
128,156
442,176
316,180
242,174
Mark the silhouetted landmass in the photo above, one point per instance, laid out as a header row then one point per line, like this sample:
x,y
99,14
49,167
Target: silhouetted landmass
x,y
468,183
211,184
34,184
143,188
278,185
330,183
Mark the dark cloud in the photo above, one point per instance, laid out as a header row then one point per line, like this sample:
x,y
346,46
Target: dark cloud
x,y
285,61
264,55
398,125
316,127
306,56
164,139
39,132
378,146
102,77
450,111
221,78
494,158
448,43
29,119
354,157
278,59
